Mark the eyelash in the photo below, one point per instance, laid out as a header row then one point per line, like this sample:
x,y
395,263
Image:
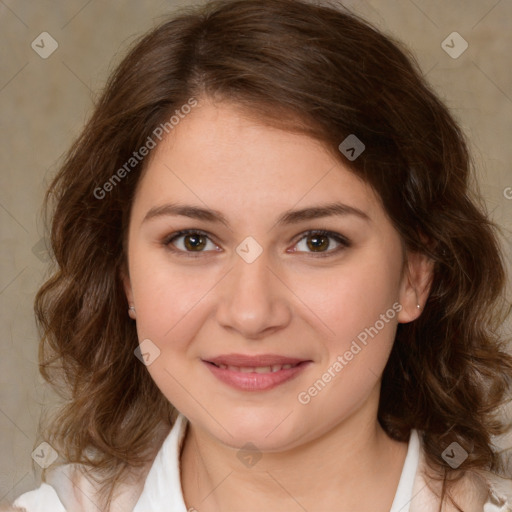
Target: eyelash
x,y
344,242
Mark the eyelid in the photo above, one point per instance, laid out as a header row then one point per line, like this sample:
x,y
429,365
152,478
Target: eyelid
x,y
342,240
167,242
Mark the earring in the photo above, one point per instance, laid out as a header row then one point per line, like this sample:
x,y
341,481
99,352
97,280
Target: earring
x,y
131,311
418,306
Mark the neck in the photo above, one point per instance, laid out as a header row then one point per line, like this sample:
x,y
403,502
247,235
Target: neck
x,y
354,463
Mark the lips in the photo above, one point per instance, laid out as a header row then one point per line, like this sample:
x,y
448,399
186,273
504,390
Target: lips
x,y
244,361
255,373
256,369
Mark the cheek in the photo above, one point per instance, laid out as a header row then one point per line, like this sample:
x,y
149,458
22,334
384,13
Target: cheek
x,y
170,313
341,301
167,296
353,296
360,305
361,313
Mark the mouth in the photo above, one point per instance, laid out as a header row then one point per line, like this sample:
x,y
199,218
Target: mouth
x,y
256,369
255,373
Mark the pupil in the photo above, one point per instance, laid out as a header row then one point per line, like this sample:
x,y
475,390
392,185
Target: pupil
x,y
194,242
317,242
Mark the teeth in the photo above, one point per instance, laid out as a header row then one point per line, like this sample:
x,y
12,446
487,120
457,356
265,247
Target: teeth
x,y
262,369
256,369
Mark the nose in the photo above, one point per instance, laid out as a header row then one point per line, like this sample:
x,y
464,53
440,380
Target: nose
x,y
254,300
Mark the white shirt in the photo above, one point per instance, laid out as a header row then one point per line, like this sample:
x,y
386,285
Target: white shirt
x,y
162,488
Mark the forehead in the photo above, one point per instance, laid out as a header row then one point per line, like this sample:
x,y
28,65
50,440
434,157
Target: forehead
x,y
218,156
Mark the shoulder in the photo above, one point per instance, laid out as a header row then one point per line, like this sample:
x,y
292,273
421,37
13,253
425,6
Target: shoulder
x,y
474,491
471,493
67,487
42,499
479,491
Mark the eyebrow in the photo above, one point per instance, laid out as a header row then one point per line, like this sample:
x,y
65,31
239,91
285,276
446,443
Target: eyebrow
x,y
287,218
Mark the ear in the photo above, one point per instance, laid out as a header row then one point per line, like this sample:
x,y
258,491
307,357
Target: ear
x,y
415,285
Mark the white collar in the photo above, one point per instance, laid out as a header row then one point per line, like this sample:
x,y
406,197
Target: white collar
x,y
403,496
162,488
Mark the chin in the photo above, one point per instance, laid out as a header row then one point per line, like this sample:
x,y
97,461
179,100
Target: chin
x,y
267,429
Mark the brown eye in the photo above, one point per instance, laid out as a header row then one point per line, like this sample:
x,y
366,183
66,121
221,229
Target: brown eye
x,y
318,242
322,243
188,241
195,242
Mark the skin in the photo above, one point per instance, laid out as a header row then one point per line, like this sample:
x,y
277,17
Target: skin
x,y
319,455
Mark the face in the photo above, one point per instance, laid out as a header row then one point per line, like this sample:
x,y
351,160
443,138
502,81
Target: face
x,y
271,319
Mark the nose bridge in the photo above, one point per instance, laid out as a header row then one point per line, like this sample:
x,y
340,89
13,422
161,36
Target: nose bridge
x,y
253,299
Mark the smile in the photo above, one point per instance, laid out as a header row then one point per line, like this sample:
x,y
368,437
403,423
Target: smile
x,y
256,369
255,373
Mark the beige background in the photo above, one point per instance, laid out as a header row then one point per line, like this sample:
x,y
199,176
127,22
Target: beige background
x,y
44,102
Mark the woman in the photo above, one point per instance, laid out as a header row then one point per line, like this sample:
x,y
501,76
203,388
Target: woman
x,y
275,290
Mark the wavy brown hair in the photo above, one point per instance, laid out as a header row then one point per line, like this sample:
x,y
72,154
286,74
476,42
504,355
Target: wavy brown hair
x,y
314,69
